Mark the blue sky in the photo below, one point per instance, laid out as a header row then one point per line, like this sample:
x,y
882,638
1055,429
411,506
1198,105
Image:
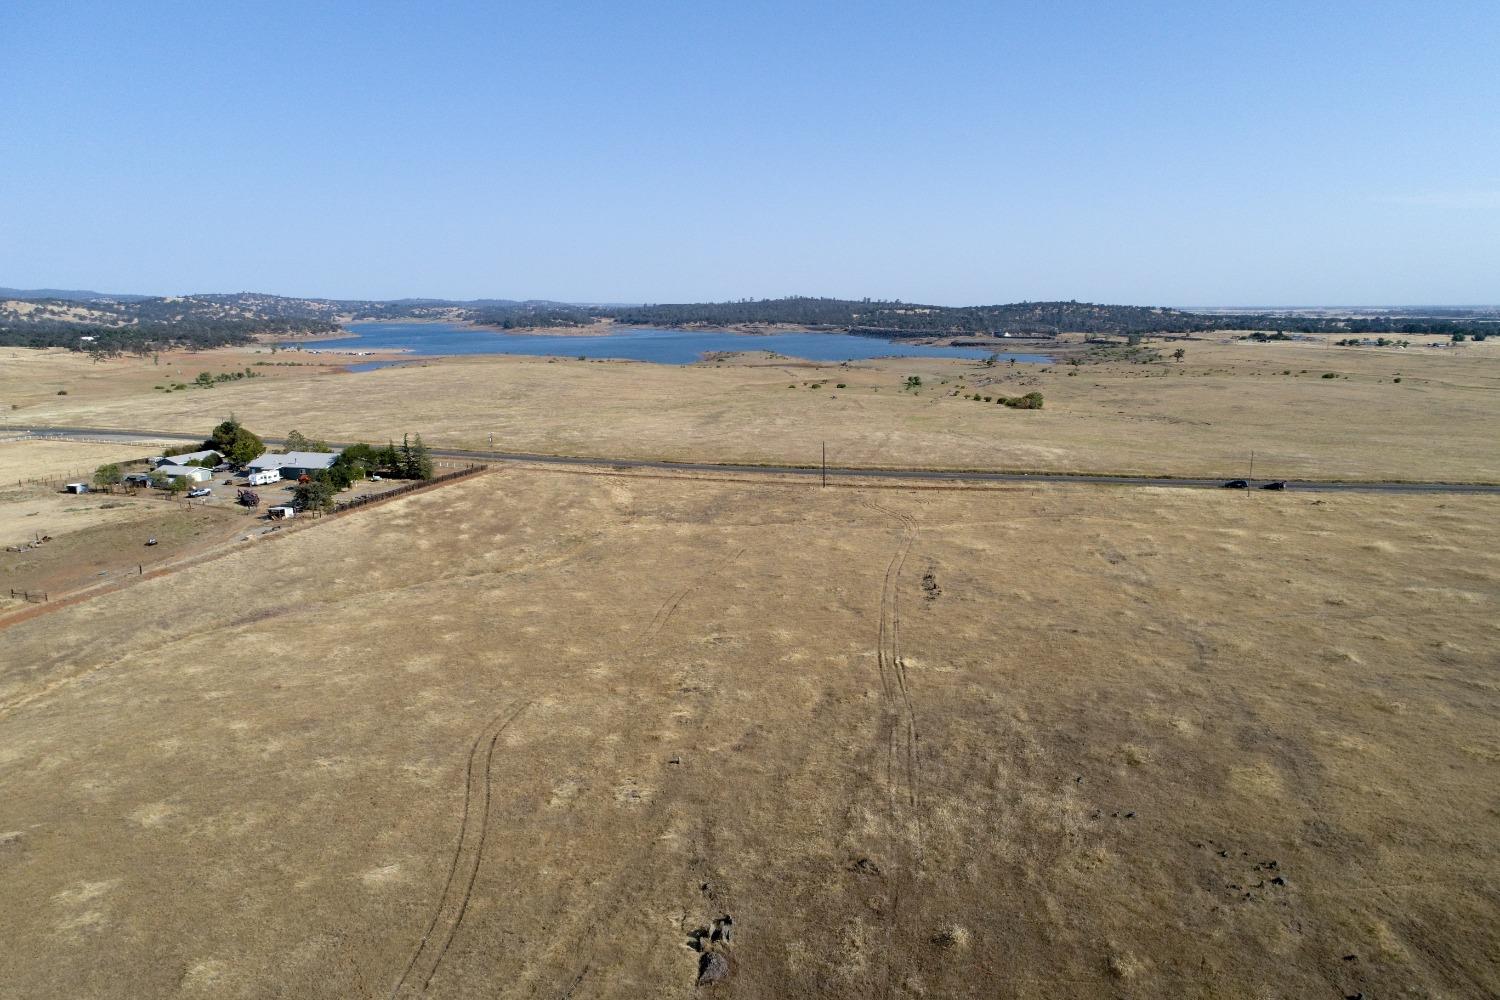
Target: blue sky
x,y
1152,153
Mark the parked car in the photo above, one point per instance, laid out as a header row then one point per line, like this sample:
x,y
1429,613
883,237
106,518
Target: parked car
x,y
202,491
1279,484
374,479
229,482
1236,484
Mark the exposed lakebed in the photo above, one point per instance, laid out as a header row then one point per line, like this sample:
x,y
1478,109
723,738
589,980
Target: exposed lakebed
x,y
672,347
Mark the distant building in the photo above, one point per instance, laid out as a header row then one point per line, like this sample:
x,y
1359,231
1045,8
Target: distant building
x,y
294,464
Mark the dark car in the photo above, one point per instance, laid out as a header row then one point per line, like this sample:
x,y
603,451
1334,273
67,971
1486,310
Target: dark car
x,y
1277,485
1236,484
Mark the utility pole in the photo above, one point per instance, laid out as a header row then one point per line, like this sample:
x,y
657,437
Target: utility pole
x,y
825,465
1252,466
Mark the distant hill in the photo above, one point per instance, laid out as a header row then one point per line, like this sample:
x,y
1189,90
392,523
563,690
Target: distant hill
x,y
93,321
65,295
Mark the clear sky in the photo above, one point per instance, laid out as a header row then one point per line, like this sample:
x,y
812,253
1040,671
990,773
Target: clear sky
x,y
1194,153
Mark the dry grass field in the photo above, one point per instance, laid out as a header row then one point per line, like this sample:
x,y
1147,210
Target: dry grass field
x,y
23,459
539,734
1200,417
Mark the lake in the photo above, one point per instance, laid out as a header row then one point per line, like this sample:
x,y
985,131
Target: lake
x,y
670,347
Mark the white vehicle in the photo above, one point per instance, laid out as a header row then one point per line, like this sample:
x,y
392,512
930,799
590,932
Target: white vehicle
x,y
264,477
281,513
202,491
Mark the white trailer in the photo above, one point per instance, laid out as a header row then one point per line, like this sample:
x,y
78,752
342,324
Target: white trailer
x,y
264,477
281,513
77,487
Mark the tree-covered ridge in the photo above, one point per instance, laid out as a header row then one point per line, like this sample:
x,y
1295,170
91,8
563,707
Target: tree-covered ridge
x,y
127,323
1043,319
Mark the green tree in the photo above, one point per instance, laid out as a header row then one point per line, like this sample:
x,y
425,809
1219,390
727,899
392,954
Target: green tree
x,y
205,380
234,442
108,475
317,493
421,460
388,459
297,441
414,461
1179,354
179,484
913,382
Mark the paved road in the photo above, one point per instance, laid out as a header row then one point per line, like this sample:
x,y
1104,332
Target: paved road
x,y
1326,486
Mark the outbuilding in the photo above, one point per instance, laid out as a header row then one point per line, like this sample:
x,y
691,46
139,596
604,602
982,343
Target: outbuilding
x,y
190,458
192,473
76,488
281,513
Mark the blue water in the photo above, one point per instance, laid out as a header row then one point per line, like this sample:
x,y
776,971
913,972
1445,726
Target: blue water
x,y
369,366
671,347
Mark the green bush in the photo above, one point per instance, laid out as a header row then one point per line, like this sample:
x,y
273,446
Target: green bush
x,y
1030,401
1330,374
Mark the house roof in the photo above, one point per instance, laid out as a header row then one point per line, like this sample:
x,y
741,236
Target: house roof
x,y
294,460
192,456
181,470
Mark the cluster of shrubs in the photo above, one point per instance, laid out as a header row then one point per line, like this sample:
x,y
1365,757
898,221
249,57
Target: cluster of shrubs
x,y
1030,401
1378,342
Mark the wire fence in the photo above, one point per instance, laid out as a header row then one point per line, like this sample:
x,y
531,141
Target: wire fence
x,y
33,596
85,476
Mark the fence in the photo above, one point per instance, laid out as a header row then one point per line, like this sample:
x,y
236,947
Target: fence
x,y
83,476
467,470
34,596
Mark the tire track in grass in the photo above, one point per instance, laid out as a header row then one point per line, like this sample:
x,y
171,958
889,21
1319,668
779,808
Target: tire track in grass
x,y
468,855
658,811
901,736
669,606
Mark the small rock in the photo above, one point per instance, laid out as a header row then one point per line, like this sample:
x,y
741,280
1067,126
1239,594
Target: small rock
x,y
1278,880
712,968
1351,958
723,929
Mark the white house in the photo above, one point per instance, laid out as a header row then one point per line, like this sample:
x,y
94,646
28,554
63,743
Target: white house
x,y
192,473
293,464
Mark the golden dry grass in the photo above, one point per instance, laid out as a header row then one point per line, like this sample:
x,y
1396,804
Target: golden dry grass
x,y
1016,742
24,458
1199,418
